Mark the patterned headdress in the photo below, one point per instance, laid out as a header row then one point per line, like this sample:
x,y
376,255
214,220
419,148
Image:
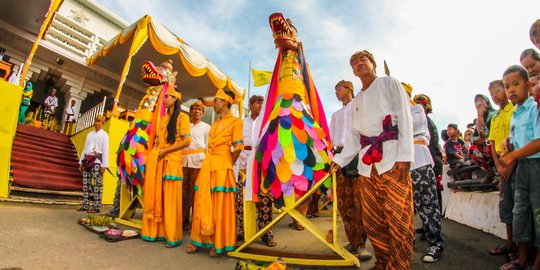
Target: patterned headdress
x,y
255,98
421,98
100,118
196,104
346,84
365,53
408,88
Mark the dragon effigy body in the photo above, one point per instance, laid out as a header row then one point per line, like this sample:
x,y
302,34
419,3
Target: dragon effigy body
x,y
294,149
134,147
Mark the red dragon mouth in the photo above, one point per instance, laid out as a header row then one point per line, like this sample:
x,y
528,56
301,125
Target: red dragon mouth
x,y
282,28
151,75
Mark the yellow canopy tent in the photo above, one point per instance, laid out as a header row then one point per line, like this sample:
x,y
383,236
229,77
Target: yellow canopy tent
x,y
125,54
130,49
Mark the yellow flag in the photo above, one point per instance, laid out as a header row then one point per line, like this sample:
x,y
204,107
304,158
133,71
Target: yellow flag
x,y
261,77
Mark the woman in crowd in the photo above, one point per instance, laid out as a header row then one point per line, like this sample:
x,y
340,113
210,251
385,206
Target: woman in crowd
x,y
485,113
162,218
214,219
25,102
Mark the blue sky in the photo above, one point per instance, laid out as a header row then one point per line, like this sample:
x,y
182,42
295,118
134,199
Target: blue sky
x,y
449,50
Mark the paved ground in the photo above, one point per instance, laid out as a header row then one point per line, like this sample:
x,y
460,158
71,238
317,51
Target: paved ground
x,y
47,237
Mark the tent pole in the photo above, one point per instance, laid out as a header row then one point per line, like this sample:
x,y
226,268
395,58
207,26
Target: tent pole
x,y
138,40
55,5
120,85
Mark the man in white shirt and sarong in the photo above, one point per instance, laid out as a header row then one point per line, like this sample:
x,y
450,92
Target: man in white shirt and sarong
x,y
194,155
348,185
264,205
50,103
382,135
426,200
70,118
93,163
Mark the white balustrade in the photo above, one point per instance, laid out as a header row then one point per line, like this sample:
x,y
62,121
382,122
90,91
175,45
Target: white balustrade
x,y
86,119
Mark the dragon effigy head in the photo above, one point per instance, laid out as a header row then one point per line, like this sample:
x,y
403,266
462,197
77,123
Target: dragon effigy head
x,y
153,75
284,32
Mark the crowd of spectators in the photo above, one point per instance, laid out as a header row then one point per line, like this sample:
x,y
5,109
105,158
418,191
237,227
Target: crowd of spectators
x,y
502,146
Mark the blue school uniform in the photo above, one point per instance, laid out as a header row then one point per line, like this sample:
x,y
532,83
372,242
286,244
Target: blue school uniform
x,y
524,128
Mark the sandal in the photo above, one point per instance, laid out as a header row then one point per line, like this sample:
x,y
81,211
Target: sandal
x,y
169,246
513,256
80,209
91,211
296,226
213,253
191,249
350,248
268,241
500,250
513,265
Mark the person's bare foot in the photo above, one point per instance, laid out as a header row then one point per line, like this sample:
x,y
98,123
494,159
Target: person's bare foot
x,y
191,249
213,253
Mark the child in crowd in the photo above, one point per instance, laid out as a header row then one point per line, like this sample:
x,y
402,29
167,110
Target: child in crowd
x,y
534,33
453,146
525,143
485,112
444,136
467,137
530,60
480,154
535,87
500,130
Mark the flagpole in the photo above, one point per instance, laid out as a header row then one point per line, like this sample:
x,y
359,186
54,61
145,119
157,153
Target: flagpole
x,y
249,81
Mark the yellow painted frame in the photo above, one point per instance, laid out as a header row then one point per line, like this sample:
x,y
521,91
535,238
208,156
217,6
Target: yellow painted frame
x,y
11,102
115,128
290,209
128,206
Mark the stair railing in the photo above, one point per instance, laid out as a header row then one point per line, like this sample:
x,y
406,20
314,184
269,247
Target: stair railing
x,y
86,119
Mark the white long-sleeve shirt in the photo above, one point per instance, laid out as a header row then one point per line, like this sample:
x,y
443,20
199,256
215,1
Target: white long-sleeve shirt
x,y
339,125
70,114
422,156
199,140
97,143
385,96
248,132
51,102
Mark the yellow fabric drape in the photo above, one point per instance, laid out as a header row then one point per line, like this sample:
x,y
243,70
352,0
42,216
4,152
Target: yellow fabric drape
x,y
122,38
190,68
217,82
158,45
138,40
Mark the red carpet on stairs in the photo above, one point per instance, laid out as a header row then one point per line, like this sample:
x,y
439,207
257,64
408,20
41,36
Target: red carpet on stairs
x,y
44,159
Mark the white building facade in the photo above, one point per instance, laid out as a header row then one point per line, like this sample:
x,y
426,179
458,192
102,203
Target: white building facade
x,y
80,28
